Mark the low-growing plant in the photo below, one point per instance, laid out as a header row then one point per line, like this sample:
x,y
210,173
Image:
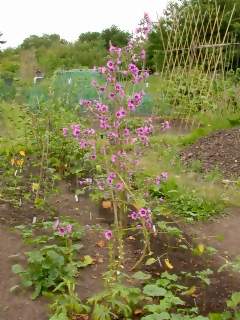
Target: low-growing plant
x,y
185,202
165,302
118,301
234,305
54,261
67,304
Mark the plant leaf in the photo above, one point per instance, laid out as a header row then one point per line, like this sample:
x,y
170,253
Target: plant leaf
x,y
150,261
141,276
153,290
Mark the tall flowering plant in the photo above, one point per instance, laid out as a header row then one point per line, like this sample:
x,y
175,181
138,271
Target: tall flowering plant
x,y
120,148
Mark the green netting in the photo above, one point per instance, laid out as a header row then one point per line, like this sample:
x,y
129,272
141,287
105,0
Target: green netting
x,y
68,87
74,85
65,87
147,106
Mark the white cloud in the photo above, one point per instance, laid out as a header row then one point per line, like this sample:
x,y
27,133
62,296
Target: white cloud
x,y
69,18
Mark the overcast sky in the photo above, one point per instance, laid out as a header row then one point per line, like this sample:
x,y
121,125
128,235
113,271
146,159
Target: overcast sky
x,y
69,18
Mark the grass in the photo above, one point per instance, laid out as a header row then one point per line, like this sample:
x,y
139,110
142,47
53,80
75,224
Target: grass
x,y
192,191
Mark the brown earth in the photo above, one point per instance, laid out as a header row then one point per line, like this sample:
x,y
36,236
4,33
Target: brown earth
x,y
219,150
220,233
17,305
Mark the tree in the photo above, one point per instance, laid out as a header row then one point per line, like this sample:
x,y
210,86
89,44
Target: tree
x,y
89,36
118,37
46,41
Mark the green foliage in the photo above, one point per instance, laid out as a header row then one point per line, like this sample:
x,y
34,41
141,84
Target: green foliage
x,y
47,269
118,301
186,202
166,303
203,276
51,52
234,302
181,95
53,263
141,276
66,304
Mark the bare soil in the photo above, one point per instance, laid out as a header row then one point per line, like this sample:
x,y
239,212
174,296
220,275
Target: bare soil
x,y
219,150
220,233
17,305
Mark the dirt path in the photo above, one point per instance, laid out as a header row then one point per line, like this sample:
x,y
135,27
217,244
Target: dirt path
x,y
15,305
221,233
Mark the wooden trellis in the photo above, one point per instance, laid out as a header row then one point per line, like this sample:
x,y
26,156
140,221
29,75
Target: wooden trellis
x,y
197,41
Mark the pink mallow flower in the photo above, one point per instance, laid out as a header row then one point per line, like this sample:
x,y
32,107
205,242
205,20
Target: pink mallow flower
x,y
166,125
143,213
61,231
108,234
83,144
113,158
93,156
131,105
121,113
65,131
69,228
126,132
64,230
164,176
133,68
118,87
119,186
110,65
111,177
76,130
134,215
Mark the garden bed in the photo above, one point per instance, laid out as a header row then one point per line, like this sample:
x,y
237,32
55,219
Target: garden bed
x,y
208,298
219,150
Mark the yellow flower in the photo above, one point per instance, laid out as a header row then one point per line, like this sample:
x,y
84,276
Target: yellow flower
x,y
22,153
168,264
20,162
